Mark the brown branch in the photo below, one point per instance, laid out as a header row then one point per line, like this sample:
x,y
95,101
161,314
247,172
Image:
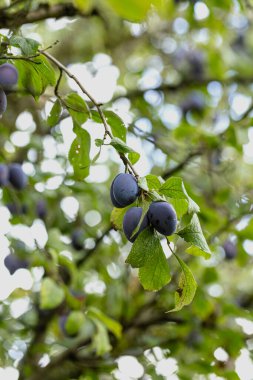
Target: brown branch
x,y
43,12
182,164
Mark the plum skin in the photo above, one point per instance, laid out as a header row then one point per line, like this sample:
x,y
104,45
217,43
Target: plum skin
x,y
124,190
17,177
3,101
230,250
77,238
13,263
8,75
114,202
131,221
163,217
4,175
41,209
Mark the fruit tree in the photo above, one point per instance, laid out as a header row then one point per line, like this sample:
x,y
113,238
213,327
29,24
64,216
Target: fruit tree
x,y
126,189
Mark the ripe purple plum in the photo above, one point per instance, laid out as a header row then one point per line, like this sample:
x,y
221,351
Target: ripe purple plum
x,y
193,102
13,263
4,175
77,239
163,217
131,220
230,250
17,177
3,101
8,75
124,190
41,209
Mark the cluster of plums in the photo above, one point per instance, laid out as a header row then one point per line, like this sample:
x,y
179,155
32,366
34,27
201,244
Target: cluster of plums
x,y
13,174
8,79
161,215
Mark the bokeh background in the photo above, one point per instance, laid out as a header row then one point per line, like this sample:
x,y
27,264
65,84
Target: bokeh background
x,y
179,74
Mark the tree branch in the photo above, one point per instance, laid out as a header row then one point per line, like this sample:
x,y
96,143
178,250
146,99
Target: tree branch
x,y
89,252
43,12
185,84
182,164
124,159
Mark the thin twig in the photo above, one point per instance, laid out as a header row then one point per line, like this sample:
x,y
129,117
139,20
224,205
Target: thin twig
x,y
56,90
182,164
96,104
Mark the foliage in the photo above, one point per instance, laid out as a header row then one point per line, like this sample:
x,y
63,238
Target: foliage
x,y
159,89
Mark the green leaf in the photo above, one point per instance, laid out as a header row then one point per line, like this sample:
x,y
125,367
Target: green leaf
x,y
193,234
54,240
55,114
181,206
186,288
117,217
192,206
28,46
155,273
46,72
147,254
173,188
133,157
77,108
112,325
117,125
145,206
99,142
120,146
142,247
133,10
101,340
153,182
51,294
74,322
79,153
35,76
83,5
142,183
96,117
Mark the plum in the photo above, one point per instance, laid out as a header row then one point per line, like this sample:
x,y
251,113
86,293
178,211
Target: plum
x,y
3,101
41,209
17,177
13,263
77,239
16,209
124,190
131,220
62,322
193,102
229,249
163,217
114,202
4,175
8,75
